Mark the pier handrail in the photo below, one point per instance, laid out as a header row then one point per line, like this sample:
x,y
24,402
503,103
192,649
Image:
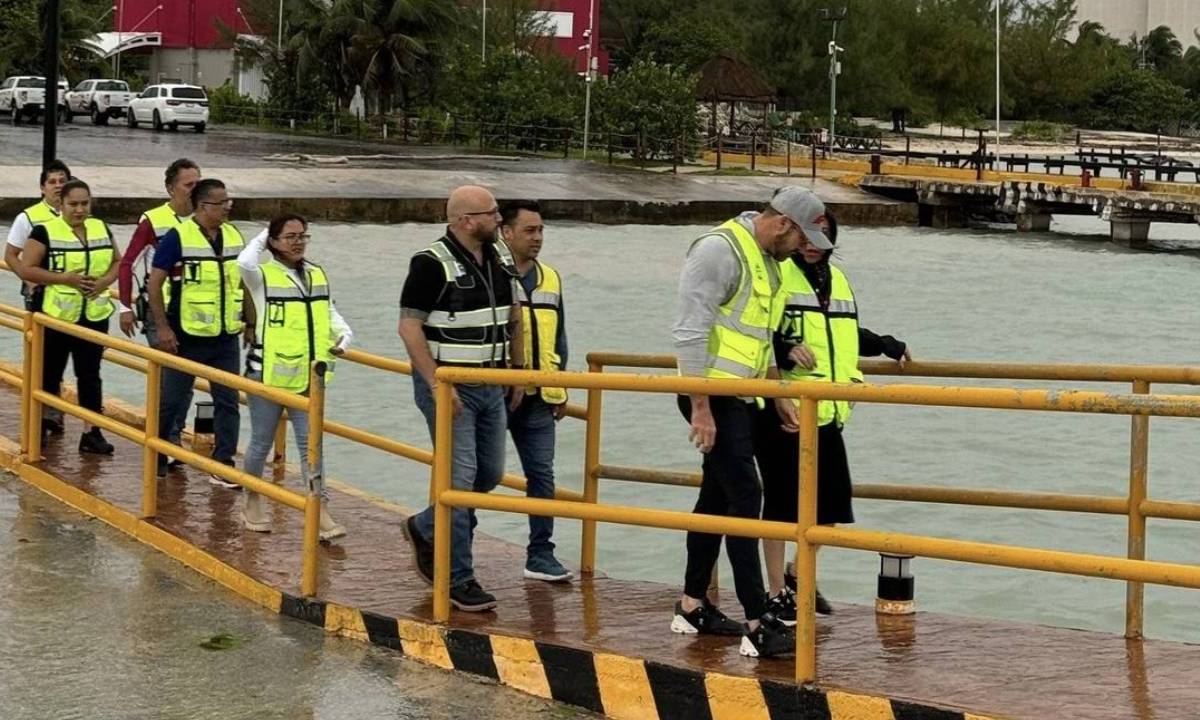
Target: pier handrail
x,y
805,532
34,326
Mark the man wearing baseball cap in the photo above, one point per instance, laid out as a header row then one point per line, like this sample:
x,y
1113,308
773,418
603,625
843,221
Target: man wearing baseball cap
x,y
731,302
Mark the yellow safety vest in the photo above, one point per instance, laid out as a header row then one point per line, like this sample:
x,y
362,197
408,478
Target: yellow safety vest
x,y
210,301
67,254
296,327
162,219
740,342
831,333
40,213
539,320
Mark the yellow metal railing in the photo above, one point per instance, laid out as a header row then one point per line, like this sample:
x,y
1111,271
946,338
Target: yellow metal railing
x,y
33,398
1136,505
805,532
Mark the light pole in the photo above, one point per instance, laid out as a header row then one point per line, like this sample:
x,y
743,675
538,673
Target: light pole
x,y
279,36
998,85
50,102
588,77
483,33
835,17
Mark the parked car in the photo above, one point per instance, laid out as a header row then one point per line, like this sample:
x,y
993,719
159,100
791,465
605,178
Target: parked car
x,y
169,106
22,96
98,99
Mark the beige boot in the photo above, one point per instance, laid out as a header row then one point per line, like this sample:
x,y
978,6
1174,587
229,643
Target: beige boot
x,y
254,515
330,528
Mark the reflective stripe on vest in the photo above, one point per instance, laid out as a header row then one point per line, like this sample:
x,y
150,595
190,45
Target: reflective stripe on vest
x,y
739,344
830,333
67,254
539,323
162,220
296,326
210,301
40,213
470,336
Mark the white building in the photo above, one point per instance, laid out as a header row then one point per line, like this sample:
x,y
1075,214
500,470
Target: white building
x,y
1124,18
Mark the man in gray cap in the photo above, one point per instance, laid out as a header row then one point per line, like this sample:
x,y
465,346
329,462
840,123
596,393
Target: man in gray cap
x,y
730,304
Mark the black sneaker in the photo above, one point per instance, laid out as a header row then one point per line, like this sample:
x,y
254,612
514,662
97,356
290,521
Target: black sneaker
x,y
783,607
470,597
823,606
51,426
704,620
770,639
175,464
422,551
93,441
221,482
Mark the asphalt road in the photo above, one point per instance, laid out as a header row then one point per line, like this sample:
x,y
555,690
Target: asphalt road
x,y
116,145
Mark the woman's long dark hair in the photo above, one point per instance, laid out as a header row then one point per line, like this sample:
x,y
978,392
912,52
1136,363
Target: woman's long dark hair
x,y
279,222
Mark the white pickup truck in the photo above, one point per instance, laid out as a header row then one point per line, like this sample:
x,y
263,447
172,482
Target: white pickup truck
x,y
98,99
24,95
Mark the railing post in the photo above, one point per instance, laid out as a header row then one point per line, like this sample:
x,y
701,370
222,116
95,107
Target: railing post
x,y
1139,447
149,454
279,459
591,482
33,429
27,387
806,553
442,445
312,503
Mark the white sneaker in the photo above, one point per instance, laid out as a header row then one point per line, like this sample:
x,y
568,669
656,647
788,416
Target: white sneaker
x,y
254,515
330,528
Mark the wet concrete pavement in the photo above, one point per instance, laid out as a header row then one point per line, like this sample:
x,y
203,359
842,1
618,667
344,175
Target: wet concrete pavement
x,y
95,625
125,169
979,665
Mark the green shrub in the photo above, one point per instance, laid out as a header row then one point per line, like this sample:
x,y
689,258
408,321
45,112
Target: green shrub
x,y
1040,131
227,105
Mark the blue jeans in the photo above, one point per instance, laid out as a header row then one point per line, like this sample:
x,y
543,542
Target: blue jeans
x,y
478,463
532,428
150,330
264,418
221,353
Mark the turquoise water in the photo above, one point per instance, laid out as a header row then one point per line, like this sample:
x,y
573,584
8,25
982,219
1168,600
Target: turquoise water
x,y
953,295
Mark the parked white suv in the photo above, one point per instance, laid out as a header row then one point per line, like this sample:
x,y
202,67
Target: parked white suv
x,y
24,96
170,105
99,99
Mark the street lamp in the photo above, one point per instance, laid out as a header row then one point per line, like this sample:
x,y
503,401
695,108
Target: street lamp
x,y
835,67
483,33
998,85
589,76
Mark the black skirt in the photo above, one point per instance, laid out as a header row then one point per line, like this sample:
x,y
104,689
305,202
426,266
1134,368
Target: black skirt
x,y
778,454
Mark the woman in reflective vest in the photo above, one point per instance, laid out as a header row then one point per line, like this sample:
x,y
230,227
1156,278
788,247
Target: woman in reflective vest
x,y
819,340
53,177
296,325
73,257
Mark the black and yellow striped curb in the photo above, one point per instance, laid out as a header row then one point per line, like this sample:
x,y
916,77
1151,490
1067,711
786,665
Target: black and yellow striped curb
x,y
620,687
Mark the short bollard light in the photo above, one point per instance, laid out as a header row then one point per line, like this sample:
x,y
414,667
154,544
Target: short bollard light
x,y
204,419
894,595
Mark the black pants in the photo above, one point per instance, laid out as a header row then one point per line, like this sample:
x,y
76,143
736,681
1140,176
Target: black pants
x,y
730,487
86,359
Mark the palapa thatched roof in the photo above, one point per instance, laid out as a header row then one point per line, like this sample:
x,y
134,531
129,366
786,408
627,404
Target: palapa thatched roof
x,y
728,78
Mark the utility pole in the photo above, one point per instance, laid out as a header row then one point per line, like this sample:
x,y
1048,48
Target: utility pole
x,y
588,77
834,16
50,106
998,84
483,33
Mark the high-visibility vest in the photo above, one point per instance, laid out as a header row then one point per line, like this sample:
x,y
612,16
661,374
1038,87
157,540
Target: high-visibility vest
x,y
67,254
740,341
210,301
40,213
830,332
467,328
162,220
540,319
295,329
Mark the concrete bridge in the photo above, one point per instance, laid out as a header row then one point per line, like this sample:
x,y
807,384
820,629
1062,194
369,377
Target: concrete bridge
x,y
1031,204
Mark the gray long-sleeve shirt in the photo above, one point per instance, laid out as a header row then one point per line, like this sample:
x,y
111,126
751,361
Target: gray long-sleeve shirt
x,y
710,277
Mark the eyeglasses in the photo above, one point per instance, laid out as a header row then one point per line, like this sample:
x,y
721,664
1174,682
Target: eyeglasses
x,y
296,238
227,203
493,212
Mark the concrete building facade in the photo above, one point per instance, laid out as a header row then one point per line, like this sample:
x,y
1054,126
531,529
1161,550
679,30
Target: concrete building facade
x,y
1125,18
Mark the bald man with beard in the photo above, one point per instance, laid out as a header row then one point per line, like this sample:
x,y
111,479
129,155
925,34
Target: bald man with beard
x,y
459,307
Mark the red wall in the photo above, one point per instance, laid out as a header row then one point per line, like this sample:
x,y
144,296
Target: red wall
x,y
183,23
569,47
